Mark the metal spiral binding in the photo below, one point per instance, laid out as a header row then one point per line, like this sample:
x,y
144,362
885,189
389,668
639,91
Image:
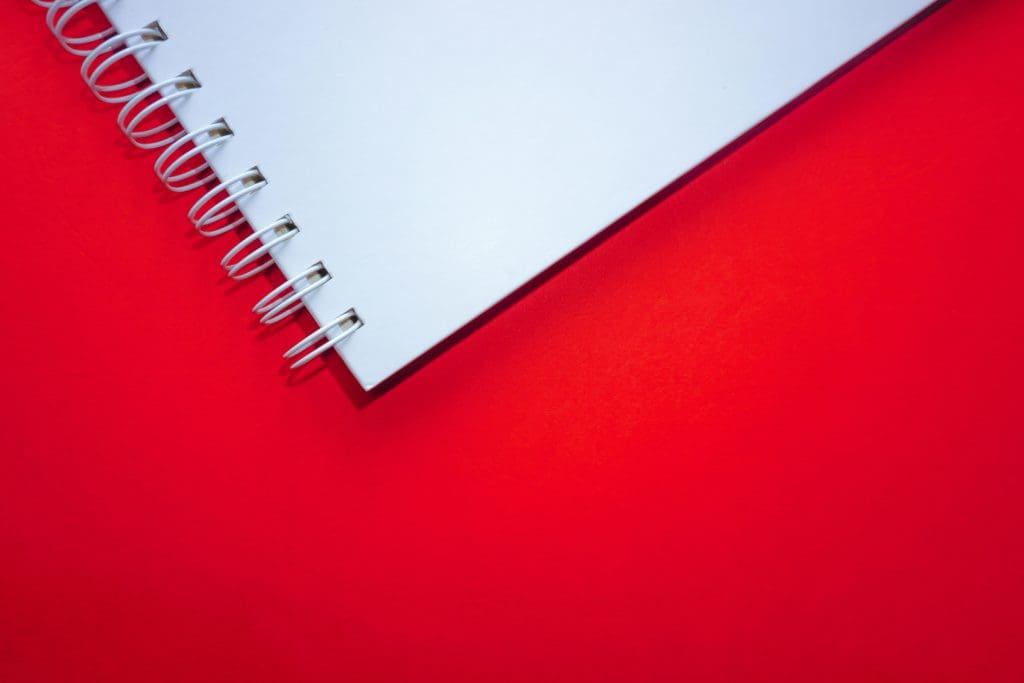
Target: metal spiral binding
x,y
217,133
183,85
139,102
280,231
278,304
203,214
59,25
347,323
117,48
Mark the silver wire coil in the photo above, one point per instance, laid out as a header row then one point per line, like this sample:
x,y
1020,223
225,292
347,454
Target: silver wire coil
x,y
287,297
203,213
240,264
113,50
58,25
280,231
129,120
346,324
217,133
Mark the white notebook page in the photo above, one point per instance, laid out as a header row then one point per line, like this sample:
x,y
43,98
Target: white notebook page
x,y
437,155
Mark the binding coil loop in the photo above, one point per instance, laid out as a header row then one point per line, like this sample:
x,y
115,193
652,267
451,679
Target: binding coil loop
x,y
347,323
44,3
183,85
279,304
202,216
58,26
217,133
283,229
144,39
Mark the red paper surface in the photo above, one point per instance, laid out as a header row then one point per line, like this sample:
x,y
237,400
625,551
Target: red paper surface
x,y
771,430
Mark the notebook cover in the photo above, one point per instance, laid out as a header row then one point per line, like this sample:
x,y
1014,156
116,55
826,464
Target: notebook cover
x,y
437,156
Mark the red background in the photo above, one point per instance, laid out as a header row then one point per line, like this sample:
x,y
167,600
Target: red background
x,y
771,430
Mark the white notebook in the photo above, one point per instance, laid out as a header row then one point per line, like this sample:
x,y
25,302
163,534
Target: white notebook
x,y
413,163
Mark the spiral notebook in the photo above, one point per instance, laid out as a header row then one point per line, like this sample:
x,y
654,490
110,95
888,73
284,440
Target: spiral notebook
x,y
408,165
